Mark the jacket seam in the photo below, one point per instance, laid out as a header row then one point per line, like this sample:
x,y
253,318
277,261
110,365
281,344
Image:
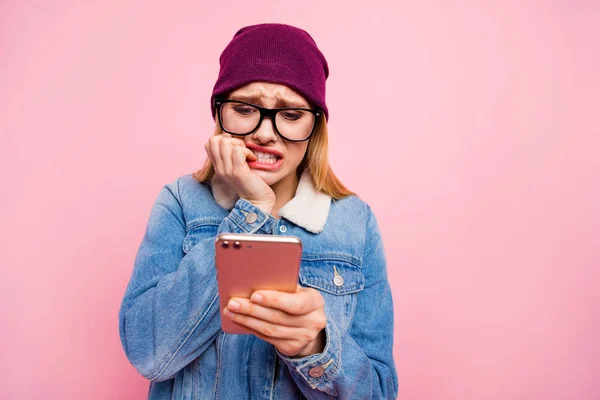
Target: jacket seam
x,y
206,221
218,374
253,230
177,196
236,224
180,201
375,283
178,191
332,257
369,212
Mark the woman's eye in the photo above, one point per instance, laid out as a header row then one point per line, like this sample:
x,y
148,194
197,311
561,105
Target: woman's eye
x,y
244,110
291,115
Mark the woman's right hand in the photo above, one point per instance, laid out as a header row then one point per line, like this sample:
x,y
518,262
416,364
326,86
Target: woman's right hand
x,y
228,156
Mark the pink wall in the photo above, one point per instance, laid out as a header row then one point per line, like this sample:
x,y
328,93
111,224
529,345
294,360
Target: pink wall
x,y
478,150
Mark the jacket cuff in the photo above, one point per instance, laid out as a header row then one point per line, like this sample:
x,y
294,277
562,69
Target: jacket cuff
x,y
318,370
247,218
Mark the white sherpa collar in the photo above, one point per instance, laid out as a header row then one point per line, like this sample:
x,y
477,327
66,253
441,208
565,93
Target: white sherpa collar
x,y
309,208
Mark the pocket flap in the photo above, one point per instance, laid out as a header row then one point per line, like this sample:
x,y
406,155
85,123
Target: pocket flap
x,y
332,276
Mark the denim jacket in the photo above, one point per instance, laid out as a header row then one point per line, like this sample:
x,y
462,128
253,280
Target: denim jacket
x,y
169,321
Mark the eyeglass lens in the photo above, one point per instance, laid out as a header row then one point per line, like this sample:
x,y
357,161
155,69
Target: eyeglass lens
x,y
239,118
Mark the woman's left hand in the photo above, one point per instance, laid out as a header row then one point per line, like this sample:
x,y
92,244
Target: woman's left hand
x,y
292,322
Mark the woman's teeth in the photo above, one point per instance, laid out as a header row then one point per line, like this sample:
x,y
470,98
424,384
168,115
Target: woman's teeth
x,y
265,158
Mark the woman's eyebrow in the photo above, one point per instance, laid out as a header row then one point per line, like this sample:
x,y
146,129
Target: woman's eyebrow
x,y
290,103
257,100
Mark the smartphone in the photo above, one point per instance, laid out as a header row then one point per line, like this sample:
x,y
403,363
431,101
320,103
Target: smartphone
x,y
249,262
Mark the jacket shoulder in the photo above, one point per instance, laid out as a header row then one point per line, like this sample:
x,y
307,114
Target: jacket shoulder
x,y
352,206
196,199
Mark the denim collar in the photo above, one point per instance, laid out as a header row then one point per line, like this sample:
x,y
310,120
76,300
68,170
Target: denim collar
x,y
309,208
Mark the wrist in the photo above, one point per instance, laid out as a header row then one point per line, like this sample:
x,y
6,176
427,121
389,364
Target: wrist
x,y
264,206
315,347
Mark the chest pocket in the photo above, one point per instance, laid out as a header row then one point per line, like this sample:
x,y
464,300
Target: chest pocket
x,y
198,231
339,282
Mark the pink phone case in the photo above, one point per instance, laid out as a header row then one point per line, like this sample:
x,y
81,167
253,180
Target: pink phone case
x,y
247,262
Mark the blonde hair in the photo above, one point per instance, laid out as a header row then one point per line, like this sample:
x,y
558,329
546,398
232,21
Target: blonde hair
x,y
315,159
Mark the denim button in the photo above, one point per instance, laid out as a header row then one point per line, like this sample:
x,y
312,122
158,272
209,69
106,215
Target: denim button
x,y
282,229
251,217
316,372
338,280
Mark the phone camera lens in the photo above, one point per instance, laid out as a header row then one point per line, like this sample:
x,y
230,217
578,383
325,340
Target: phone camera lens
x,y
225,245
237,245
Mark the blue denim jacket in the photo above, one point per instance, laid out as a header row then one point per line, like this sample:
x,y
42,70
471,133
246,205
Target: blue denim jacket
x,y
170,324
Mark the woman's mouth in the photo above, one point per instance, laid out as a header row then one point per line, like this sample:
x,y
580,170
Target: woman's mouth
x,y
265,158
266,161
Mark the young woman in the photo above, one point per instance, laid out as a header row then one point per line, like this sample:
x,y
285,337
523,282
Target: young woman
x,y
266,173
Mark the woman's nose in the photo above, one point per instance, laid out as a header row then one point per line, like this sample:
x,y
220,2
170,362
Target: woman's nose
x,y
266,131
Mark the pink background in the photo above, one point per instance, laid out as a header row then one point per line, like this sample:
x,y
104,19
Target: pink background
x,y
473,131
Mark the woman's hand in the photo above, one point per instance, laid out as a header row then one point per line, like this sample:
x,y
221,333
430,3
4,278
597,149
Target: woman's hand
x,y
292,322
228,156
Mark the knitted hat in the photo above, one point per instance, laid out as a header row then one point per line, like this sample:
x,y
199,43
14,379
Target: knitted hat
x,y
275,53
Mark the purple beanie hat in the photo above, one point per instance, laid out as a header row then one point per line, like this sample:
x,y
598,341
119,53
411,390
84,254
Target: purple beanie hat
x,y
275,53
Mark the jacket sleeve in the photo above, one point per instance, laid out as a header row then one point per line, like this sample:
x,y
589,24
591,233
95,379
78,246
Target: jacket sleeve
x,y
170,311
357,364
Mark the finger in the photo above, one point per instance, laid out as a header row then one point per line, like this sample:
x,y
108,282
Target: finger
x,y
237,142
226,149
248,154
278,317
266,328
241,156
211,157
216,153
285,346
289,348
238,159
207,149
302,302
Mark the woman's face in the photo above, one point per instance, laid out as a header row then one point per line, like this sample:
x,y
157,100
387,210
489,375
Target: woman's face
x,y
287,155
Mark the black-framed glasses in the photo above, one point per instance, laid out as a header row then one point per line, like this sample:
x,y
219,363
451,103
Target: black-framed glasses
x,y
291,123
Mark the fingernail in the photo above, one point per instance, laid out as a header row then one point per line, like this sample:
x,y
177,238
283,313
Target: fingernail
x,y
233,305
228,313
256,298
